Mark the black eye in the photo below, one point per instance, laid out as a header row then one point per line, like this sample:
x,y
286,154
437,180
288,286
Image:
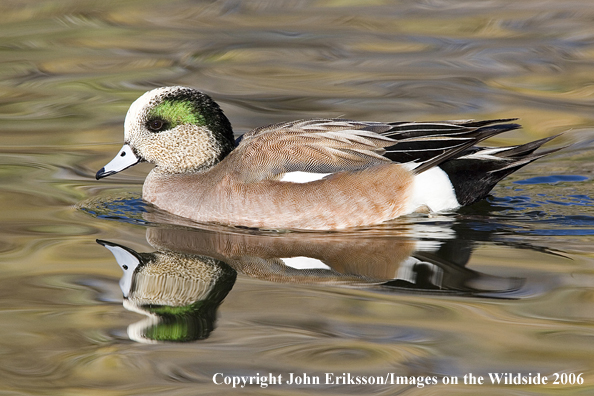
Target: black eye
x,y
156,125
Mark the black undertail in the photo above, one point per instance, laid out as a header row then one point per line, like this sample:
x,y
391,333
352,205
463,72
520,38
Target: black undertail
x,y
473,175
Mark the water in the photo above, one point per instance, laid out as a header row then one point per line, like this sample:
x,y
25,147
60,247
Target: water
x,y
504,286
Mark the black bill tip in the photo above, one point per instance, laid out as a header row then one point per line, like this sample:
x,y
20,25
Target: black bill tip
x,y
103,173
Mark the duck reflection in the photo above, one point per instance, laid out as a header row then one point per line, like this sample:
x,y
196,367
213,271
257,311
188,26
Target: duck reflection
x,y
178,292
180,285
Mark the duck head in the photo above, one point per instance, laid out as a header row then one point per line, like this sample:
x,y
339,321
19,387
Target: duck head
x,y
179,129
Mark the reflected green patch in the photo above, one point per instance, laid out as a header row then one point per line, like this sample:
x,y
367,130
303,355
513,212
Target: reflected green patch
x,y
170,310
178,331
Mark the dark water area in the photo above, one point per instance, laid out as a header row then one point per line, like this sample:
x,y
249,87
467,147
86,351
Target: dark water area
x,y
103,294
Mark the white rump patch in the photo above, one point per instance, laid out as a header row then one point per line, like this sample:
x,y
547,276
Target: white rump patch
x,y
433,189
302,262
302,177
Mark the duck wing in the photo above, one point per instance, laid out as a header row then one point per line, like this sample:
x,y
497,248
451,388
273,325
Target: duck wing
x,y
318,146
324,146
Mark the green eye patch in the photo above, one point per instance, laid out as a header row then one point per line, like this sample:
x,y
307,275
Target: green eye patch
x,y
177,112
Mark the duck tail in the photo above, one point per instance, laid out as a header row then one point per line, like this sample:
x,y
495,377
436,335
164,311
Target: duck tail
x,y
476,171
428,144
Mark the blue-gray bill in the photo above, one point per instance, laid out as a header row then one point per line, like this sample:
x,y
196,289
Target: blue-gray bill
x,y
125,159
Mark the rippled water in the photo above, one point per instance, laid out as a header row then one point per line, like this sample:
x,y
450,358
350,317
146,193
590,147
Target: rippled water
x,y
503,286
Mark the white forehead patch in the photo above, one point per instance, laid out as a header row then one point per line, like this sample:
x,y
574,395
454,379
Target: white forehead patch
x,y
139,108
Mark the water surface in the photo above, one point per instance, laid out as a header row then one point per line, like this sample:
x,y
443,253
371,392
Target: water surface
x,y
502,286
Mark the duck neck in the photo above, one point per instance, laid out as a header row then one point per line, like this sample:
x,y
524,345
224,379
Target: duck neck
x,y
223,144
227,144
218,125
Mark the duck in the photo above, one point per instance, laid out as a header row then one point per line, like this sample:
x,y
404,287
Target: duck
x,y
308,174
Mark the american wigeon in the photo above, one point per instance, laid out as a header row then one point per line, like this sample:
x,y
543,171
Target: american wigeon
x,y
308,174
